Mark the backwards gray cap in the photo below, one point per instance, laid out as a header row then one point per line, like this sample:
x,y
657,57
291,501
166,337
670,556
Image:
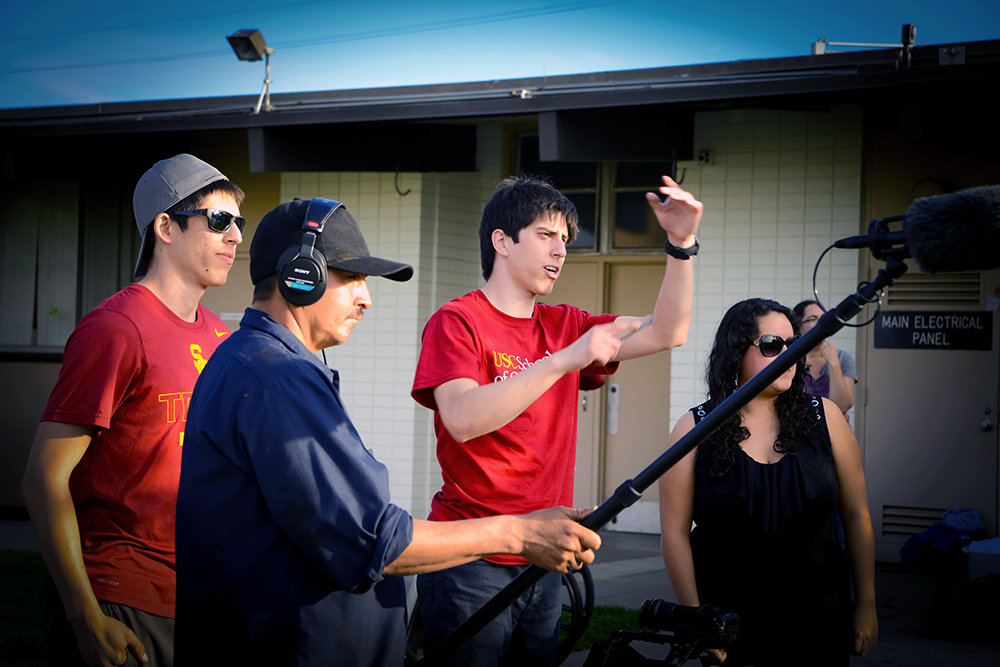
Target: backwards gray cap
x,y
166,183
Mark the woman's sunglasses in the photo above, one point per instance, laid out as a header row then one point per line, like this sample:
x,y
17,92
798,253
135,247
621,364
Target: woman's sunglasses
x,y
771,344
218,220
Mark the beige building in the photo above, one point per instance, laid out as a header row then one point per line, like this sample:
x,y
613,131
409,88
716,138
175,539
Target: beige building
x,y
787,155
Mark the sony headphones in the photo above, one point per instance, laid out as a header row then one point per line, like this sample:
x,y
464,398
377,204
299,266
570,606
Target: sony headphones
x,y
302,268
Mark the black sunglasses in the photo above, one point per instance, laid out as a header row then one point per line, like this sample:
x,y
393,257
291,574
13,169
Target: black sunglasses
x,y
771,344
218,220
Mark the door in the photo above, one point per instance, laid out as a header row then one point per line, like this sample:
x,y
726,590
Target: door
x,y
930,430
638,399
623,426
581,285
928,418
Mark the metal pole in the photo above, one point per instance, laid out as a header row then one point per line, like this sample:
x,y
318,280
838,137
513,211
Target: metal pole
x,y
631,490
266,90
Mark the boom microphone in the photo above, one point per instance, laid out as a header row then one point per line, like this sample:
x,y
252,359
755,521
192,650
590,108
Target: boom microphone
x,y
954,232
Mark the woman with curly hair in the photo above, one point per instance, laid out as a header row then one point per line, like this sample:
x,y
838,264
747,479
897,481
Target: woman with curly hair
x,y
763,492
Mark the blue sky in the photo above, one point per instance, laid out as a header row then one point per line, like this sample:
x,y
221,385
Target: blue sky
x,y
57,52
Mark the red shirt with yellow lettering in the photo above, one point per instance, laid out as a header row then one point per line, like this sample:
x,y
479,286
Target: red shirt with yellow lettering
x,y
527,464
128,370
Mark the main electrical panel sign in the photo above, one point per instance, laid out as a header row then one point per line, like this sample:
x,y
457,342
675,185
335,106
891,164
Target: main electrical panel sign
x,y
934,330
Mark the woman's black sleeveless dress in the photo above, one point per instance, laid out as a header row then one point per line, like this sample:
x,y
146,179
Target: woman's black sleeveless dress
x,y
765,546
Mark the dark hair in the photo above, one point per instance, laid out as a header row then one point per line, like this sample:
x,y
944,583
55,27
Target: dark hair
x,y
800,309
193,201
737,331
265,287
516,203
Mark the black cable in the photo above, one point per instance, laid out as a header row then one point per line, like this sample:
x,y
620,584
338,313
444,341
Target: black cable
x,y
876,299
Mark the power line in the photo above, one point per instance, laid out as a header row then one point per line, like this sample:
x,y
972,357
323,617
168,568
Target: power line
x,y
361,35
186,18
452,23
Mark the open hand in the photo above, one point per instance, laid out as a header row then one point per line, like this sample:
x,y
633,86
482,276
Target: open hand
x,y
600,344
679,214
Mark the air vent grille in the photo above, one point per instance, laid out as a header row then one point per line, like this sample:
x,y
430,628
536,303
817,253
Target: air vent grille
x,y
904,520
944,290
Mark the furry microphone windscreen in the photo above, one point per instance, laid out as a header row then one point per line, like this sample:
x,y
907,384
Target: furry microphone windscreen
x,y
955,232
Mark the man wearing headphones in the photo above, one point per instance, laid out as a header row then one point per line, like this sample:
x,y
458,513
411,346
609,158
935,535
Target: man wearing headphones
x,y
289,550
101,479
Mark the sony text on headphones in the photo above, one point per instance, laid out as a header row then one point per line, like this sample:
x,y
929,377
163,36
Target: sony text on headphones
x,y
302,268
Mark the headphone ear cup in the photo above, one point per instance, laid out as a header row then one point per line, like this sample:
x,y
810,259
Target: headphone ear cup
x,y
302,278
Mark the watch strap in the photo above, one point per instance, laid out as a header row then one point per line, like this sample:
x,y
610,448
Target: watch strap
x,y
681,253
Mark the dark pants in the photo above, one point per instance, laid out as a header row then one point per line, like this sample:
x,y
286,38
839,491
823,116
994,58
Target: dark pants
x,y
525,634
155,632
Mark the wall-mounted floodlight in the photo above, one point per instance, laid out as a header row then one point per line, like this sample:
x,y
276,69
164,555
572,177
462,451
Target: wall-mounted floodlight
x,y
909,38
250,45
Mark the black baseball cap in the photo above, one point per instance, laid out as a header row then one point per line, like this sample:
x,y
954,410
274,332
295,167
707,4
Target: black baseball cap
x,y
341,243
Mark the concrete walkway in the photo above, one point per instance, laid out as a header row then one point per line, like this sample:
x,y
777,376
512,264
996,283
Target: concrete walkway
x,y
629,570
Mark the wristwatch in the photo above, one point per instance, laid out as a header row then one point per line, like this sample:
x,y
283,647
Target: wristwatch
x,y
681,253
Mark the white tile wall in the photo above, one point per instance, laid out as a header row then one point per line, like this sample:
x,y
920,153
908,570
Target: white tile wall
x,y
377,364
435,227
782,185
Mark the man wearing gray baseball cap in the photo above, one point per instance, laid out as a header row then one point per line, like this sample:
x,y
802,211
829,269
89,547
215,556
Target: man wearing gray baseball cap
x,y
101,480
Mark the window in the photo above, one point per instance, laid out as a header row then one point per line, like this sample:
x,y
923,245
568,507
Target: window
x,y
627,224
576,180
38,260
635,227
64,248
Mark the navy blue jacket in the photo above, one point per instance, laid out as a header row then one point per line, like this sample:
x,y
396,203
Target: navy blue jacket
x,y
284,524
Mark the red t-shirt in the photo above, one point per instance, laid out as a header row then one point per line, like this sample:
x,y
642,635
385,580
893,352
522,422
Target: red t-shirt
x,y
129,369
527,464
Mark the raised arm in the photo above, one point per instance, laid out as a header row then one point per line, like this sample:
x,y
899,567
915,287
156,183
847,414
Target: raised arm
x,y
551,538
857,527
679,215
469,410
56,451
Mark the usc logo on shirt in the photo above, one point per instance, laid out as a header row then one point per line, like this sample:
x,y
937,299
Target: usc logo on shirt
x,y
503,360
507,365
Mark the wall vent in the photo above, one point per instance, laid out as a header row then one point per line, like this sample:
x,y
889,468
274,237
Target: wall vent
x,y
902,520
944,290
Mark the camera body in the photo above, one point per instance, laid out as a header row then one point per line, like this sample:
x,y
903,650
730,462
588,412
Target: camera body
x,y
688,631
707,624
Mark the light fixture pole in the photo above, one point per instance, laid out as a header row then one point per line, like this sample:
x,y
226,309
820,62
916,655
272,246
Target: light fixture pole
x,y
265,92
250,45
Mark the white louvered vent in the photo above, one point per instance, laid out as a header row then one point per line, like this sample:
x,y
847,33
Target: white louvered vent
x,y
903,520
944,290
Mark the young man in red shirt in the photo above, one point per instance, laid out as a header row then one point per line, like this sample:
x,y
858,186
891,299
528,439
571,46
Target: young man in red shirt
x,y
102,475
501,373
